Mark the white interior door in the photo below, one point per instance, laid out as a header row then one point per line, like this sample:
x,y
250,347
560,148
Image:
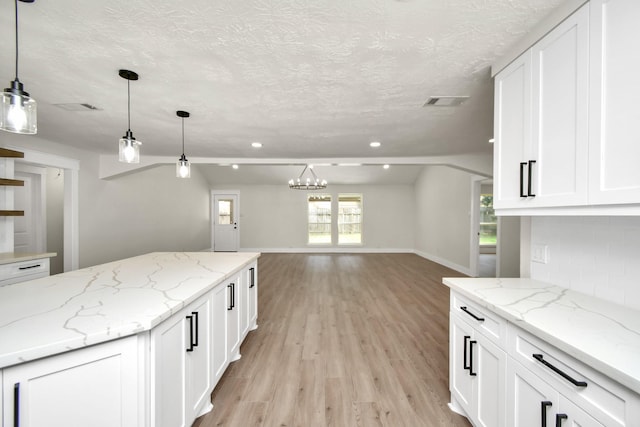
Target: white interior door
x,y
30,229
226,230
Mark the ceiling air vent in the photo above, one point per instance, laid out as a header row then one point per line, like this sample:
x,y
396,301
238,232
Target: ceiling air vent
x,y
77,107
445,101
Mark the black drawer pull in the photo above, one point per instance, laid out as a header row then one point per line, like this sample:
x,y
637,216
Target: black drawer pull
x,y
195,317
30,266
544,405
190,333
465,366
479,319
471,343
16,405
559,418
253,277
522,165
530,171
540,358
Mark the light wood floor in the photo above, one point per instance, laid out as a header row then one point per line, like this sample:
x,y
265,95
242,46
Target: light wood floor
x,y
343,340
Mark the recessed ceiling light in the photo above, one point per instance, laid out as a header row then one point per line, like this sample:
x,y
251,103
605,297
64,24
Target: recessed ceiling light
x,y
235,166
492,140
256,144
374,144
385,167
349,164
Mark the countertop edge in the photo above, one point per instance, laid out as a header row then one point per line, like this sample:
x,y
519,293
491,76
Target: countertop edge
x,y
11,257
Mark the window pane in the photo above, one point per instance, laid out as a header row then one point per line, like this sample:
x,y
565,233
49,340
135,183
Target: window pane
x,y
488,221
349,219
319,218
225,211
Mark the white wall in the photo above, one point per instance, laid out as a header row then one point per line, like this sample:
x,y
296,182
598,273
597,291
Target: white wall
x,y
147,211
597,256
274,217
443,223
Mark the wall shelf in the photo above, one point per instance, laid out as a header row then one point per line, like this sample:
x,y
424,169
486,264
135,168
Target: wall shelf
x,y
11,213
11,182
5,152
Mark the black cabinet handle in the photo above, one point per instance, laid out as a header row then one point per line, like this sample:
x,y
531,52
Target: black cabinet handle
x,y
195,318
252,272
479,319
230,297
190,333
559,418
16,405
543,406
233,296
464,361
29,266
471,343
540,358
522,165
529,193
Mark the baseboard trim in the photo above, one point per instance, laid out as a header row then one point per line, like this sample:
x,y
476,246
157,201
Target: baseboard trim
x,y
446,263
329,250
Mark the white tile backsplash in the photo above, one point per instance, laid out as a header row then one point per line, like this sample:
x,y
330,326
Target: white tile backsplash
x,y
597,256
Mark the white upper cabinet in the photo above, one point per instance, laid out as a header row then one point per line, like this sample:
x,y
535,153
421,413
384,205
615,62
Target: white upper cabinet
x,y
615,107
567,118
560,115
541,121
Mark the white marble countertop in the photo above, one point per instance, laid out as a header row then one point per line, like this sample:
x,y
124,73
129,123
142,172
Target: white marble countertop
x,y
601,334
54,314
10,257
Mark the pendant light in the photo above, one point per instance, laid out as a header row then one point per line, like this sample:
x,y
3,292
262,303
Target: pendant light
x,y
18,111
129,147
183,167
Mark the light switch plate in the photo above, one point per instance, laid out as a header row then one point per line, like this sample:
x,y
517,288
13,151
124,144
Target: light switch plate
x,y
540,254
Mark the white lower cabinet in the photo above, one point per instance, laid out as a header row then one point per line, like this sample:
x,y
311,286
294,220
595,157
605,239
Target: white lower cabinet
x,y
502,375
234,288
219,316
477,374
94,386
252,300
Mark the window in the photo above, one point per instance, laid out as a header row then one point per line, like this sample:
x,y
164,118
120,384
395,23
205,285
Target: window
x,y
349,219
225,211
319,219
488,221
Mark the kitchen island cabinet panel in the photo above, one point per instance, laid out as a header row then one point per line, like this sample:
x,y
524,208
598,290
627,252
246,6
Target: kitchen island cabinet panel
x,y
95,386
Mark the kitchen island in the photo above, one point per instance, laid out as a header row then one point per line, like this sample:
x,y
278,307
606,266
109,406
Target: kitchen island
x,y
150,327
521,349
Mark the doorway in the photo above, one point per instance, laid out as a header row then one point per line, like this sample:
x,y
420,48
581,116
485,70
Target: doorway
x,y
29,230
225,225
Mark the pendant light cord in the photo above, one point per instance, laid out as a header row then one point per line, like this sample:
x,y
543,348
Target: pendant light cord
x,y
128,103
183,136
16,1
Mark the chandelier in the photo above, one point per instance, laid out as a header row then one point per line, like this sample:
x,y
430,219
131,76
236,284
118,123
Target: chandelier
x,y
308,183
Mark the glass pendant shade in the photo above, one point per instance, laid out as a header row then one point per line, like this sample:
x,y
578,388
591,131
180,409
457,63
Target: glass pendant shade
x,y
183,167
129,149
18,111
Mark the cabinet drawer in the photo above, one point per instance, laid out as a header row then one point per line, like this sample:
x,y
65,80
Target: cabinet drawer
x,y
609,402
22,271
483,320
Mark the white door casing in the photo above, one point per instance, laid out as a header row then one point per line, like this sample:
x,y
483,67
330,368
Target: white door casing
x,y
224,217
30,230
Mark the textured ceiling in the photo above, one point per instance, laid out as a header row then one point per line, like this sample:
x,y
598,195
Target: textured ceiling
x,y
307,78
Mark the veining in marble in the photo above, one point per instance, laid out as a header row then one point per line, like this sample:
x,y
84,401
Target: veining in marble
x,y
602,334
96,304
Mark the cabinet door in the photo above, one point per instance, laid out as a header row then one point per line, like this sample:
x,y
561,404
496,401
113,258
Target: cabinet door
x,y
169,342
512,131
243,307
233,319
560,114
219,331
252,312
531,402
93,386
570,415
199,360
490,383
460,378
615,111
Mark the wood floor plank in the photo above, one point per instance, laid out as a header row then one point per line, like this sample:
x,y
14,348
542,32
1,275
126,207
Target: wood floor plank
x,y
344,340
